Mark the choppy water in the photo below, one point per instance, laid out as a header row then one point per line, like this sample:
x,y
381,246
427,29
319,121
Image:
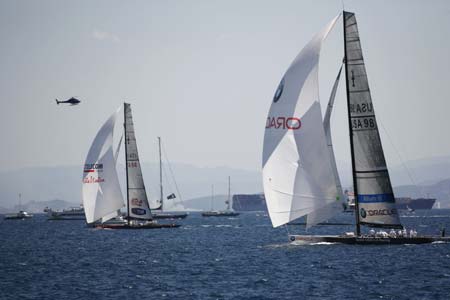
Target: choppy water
x,y
215,258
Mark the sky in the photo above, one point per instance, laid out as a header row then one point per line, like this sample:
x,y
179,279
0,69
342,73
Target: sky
x,y
202,74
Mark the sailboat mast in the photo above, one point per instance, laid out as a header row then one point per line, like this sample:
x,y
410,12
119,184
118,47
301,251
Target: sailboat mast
x,y
160,175
126,161
229,193
352,150
212,197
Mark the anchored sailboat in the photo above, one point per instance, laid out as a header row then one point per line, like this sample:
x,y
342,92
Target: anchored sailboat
x,y
300,177
21,215
102,196
162,214
221,213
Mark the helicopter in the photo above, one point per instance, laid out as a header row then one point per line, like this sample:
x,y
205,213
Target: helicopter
x,y
71,101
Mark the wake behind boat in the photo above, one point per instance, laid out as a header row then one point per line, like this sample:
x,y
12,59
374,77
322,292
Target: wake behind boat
x,y
365,240
102,196
135,225
300,176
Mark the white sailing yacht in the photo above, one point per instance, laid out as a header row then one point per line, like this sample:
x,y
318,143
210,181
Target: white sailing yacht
x,y
161,214
102,196
221,213
21,215
300,177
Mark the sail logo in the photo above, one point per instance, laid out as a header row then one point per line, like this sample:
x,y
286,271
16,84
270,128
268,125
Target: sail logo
x,y
359,108
291,123
363,123
382,212
90,168
92,179
377,212
363,213
136,202
138,211
132,164
279,91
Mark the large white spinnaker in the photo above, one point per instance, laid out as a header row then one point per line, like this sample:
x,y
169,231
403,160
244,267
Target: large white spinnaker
x,y
116,156
118,212
101,190
297,169
335,207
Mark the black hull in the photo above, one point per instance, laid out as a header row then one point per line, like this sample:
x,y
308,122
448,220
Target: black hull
x,y
322,224
66,219
352,240
138,226
220,214
159,216
17,218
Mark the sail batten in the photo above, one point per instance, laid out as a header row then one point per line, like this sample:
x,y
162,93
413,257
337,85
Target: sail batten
x,y
374,193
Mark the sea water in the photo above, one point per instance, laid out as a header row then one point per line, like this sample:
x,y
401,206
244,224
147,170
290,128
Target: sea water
x,y
217,258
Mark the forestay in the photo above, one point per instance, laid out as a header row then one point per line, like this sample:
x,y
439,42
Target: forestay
x,y
373,187
297,169
137,197
102,196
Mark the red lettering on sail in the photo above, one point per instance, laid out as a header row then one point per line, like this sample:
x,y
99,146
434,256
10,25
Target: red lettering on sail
x,y
291,123
91,179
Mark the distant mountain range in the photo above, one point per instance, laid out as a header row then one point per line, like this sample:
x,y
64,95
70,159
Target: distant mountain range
x,y
426,171
39,185
38,206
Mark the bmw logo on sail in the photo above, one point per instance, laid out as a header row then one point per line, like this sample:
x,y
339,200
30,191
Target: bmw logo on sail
x,y
279,91
363,213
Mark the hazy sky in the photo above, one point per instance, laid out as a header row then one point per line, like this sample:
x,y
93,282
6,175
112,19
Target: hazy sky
x,y
202,75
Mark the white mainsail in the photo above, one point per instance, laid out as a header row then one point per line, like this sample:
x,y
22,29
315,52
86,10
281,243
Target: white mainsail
x,y
297,167
102,196
137,196
374,195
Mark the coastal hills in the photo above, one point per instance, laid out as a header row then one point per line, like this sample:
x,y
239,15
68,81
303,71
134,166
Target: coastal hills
x,y
60,187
